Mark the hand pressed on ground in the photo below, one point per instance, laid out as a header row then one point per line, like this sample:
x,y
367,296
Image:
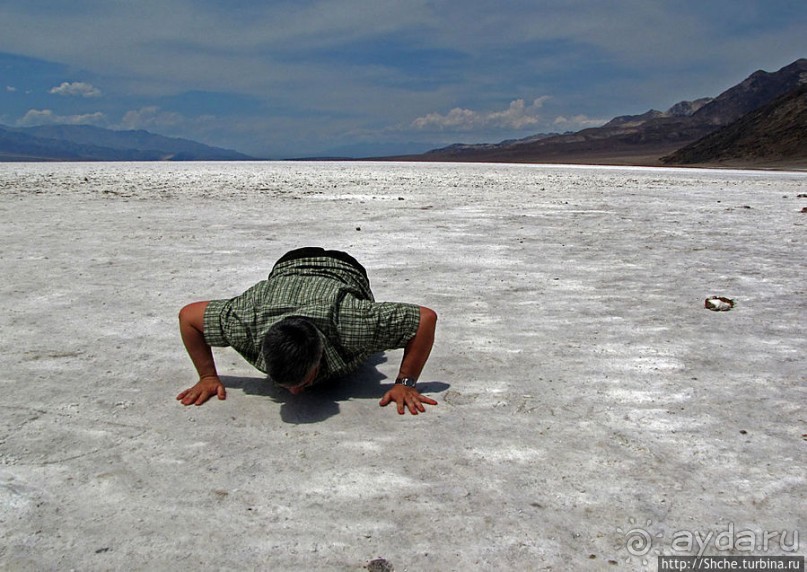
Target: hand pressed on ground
x,y
406,397
205,388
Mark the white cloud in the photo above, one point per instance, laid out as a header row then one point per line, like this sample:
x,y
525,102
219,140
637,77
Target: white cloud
x,y
518,115
11,88
577,122
76,88
47,117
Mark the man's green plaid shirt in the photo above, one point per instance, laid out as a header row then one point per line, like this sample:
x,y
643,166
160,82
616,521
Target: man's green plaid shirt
x,y
333,295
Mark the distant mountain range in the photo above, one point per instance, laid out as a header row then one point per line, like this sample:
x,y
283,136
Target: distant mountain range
x,y
644,139
88,143
760,121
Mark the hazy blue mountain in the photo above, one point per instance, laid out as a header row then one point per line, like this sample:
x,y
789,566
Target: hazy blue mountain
x,y
88,143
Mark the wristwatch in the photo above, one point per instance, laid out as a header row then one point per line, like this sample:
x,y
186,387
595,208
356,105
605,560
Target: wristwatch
x,y
407,381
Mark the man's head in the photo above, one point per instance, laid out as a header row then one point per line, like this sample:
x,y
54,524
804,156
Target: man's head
x,y
292,350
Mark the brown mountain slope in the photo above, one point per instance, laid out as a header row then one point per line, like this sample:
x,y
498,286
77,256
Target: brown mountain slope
x,y
772,134
759,89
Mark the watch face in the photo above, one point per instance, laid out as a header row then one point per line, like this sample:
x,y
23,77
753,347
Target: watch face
x,y
407,381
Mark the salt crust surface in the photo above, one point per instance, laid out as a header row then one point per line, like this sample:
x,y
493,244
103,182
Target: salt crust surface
x,y
584,390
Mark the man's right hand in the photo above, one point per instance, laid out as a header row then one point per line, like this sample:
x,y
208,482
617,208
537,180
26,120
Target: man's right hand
x,y
192,326
206,388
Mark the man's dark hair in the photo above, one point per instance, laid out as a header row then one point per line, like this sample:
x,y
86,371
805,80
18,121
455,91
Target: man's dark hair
x,y
291,348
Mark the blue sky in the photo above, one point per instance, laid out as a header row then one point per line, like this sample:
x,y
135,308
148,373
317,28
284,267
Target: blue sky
x,y
283,79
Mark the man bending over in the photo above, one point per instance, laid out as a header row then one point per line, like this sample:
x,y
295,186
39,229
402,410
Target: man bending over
x,y
312,319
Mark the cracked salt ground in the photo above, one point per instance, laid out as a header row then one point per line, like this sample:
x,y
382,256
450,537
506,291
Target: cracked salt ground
x,y
581,383
43,437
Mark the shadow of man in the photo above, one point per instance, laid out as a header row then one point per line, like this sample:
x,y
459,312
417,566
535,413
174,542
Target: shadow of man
x,y
321,401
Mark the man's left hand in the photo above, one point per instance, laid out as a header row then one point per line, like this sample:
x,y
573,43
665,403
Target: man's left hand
x,y
406,397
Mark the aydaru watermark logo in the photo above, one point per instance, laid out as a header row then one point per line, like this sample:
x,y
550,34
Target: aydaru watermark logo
x,y
730,539
641,540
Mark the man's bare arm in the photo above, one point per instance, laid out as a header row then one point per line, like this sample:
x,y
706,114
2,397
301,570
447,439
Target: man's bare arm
x,y
191,327
415,356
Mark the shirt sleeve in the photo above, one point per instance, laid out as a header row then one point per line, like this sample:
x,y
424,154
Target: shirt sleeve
x,y
236,323
213,327
370,327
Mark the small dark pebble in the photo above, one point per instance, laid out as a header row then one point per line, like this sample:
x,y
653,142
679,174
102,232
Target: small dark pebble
x,y
358,228
102,550
401,198
613,562
592,556
380,565
743,432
